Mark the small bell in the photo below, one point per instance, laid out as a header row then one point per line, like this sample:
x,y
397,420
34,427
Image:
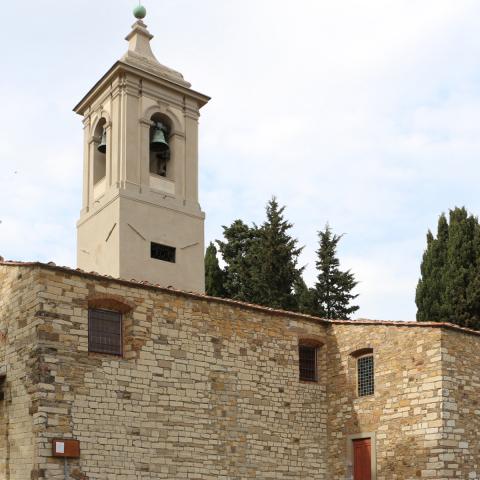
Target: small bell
x,y
102,146
159,142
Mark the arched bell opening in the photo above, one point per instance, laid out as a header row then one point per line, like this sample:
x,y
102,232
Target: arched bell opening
x,y
100,157
160,148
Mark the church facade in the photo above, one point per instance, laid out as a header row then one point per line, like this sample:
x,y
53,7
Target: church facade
x,y
103,377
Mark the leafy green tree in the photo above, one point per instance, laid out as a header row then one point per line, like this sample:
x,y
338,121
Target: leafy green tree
x,y
334,287
449,287
214,276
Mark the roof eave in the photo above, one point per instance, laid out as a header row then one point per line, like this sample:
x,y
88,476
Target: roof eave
x,y
237,303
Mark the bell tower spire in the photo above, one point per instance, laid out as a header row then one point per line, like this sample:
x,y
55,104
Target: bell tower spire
x,y
140,216
139,38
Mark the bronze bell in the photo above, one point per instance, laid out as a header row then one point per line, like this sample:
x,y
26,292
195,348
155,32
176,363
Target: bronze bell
x,y
102,146
159,142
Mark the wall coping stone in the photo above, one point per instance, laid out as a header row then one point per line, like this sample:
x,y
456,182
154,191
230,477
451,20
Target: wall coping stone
x,y
237,303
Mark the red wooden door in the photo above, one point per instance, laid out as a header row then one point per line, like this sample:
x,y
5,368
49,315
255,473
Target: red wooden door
x,y
362,459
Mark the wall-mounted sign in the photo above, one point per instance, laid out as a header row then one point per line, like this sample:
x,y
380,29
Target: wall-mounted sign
x,y
66,448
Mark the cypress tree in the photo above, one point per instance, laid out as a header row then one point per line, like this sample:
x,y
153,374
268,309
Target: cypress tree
x,y
449,287
334,287
213,273
430,294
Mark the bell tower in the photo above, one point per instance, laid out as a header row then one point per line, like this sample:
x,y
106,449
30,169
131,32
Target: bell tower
x,y
140,216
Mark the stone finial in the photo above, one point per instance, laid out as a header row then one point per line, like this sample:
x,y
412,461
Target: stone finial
x,y
139,40
140,53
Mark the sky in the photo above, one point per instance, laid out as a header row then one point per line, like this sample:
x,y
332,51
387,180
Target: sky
x,y
363,114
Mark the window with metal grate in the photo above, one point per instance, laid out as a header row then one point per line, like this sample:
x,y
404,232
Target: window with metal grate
x,y
366,379
163,252
105,332
307,356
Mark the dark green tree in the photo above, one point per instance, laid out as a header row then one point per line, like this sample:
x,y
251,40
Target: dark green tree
x,y
261,261
237,251
276,255
214,276
334,287
305,297
430,294
449,287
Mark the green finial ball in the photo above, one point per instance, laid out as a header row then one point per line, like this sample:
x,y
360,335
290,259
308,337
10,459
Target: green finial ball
x,y
140,12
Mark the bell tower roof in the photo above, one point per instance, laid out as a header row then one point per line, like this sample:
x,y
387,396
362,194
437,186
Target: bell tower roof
x,y
140,57
140,54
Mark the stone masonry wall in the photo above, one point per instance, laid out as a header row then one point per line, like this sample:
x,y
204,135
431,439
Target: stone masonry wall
x,y
461,409
206,390
404,413
5,288
17,344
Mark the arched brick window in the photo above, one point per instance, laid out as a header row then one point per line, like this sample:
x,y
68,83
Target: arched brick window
x,y
105,325
105,332
308,359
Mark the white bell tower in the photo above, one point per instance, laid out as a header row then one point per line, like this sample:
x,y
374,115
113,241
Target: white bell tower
x,y
140,217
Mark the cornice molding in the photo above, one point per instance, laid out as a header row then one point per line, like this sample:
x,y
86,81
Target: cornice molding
x,y
121,68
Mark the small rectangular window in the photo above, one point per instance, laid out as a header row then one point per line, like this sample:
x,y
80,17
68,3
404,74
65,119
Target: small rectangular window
x,y
307,357
105,332
163,252
366,380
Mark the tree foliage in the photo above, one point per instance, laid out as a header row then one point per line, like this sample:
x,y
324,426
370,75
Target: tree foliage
x,y
305,298
238,252
261,267
449,286
261,261
276,260
213,273
333,290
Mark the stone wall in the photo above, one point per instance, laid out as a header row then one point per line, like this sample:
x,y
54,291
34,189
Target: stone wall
x,y
461,409
5,287
209,389
17,345
404,413
206,390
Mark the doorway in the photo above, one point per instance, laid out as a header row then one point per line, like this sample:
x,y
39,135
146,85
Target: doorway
x,y
361,449
362,459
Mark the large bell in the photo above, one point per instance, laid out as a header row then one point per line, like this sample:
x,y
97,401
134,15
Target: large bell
x,y
102,146
159,142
